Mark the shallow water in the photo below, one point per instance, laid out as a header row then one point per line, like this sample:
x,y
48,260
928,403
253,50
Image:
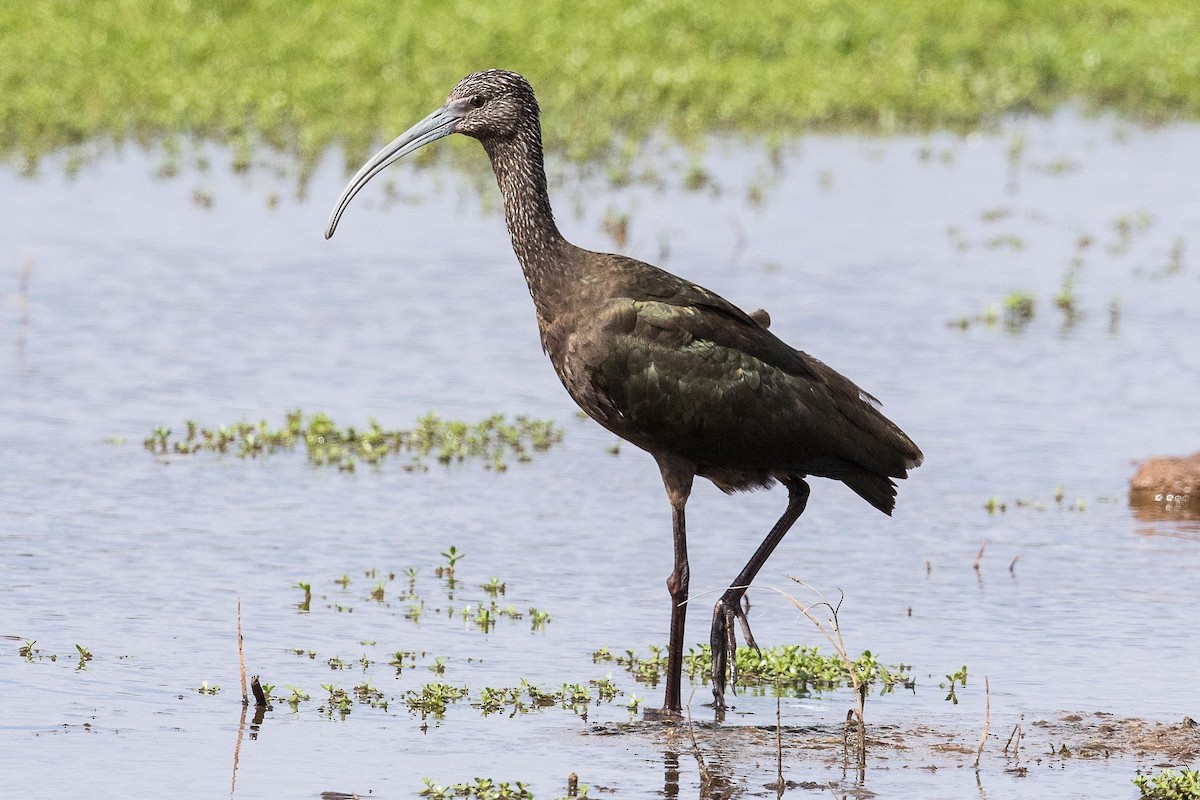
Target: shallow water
x,y
143,307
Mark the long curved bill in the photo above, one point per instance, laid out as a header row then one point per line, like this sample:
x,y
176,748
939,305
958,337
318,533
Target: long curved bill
x,y
438,124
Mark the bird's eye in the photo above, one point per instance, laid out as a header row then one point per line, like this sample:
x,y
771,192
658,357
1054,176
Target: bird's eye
x,y
477,101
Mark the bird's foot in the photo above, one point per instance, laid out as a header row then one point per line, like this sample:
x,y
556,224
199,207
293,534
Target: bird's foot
x,y
723,640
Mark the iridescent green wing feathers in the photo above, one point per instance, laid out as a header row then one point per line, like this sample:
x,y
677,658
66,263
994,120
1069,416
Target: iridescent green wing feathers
x,y
695,374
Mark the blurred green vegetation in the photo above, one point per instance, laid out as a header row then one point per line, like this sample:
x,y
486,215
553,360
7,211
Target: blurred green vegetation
x,y
299,77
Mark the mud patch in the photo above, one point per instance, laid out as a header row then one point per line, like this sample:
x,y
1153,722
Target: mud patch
x,y
743,761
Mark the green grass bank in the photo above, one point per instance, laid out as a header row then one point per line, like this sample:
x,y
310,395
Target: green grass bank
x,y
302,76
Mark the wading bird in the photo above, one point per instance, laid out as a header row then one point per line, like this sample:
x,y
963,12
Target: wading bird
x,y
678,371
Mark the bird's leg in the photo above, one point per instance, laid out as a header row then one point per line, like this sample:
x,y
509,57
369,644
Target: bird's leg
x,y
677,585
729,607
677,477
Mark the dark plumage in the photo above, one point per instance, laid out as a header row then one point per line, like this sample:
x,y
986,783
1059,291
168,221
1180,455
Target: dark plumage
x,y
678,371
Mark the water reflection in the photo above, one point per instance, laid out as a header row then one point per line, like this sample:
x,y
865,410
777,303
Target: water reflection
x,y
255,724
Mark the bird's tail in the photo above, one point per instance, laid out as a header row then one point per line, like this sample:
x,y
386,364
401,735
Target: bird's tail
x,y
876,489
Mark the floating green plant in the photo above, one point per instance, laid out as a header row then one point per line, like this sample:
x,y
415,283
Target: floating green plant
x,y
527,697
480,789
85,656
338,702
401,659
539,618
1016,312
433,698
997,505
1170,785
452,555
494,441
797,668
296,697
367,694
953,681
305,587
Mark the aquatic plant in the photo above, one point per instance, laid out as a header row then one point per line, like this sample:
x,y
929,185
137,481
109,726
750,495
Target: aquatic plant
x,y
377,593
997,505
1017,311
433,698
952,682
306,587
452,555
367,694
401,659
1170,785
527,697
296,697
492,441
480,788
85,656
338,702
539,618
800,669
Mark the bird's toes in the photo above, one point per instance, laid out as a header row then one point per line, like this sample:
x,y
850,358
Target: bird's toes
x,y
723,640
740,613
719,642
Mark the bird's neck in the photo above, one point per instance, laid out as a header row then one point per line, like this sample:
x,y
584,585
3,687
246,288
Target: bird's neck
x,y
540,248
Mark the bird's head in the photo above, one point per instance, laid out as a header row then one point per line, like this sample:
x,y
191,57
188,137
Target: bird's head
x,y
496,103
493,104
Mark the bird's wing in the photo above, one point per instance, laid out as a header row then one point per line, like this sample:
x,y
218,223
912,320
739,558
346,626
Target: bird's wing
x,y
695,375
725,324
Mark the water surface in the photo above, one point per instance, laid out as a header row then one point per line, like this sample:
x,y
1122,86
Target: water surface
x,y
143,307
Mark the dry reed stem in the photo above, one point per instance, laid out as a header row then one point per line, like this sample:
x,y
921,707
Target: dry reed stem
x,y
1016,732
779,745
987,719
979,558
241,654
839,645
705,776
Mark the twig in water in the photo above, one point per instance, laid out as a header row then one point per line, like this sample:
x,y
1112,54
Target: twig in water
x,y
846,728
260,697
987,719
778,746
705,776
1016,733
1012,567
241,654
839,645
979,558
